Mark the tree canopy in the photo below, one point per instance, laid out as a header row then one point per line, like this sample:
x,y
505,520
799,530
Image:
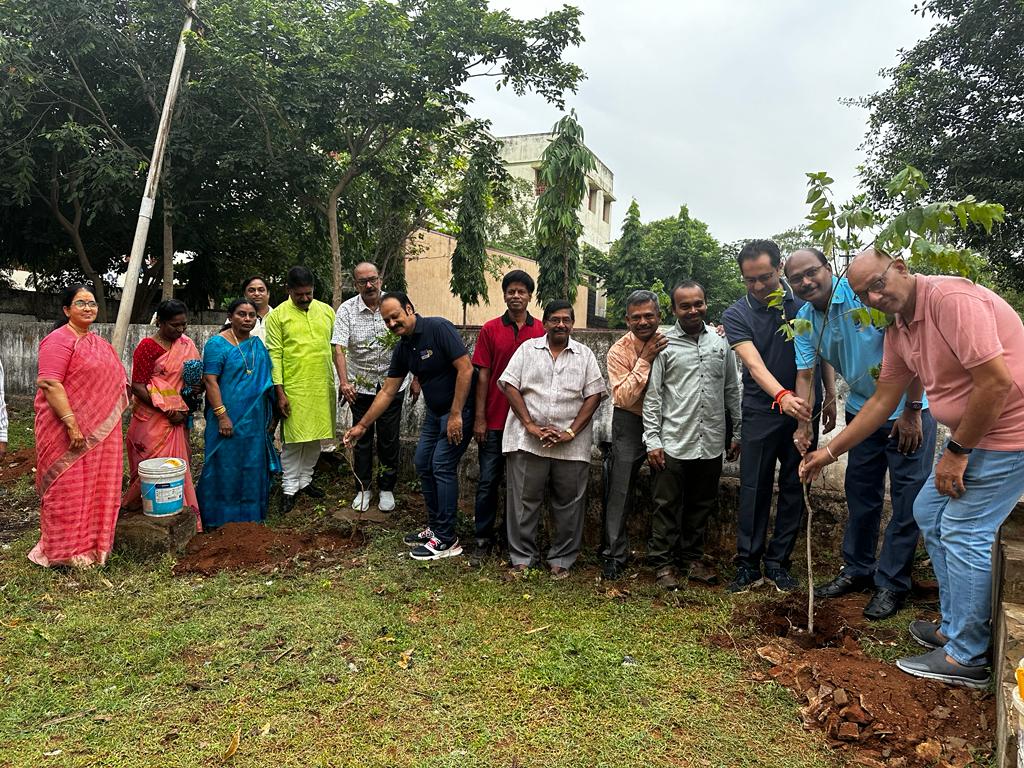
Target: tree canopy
x,y
953,111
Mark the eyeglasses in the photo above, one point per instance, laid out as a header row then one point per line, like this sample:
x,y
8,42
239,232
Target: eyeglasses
x,y
759,279
807,274
877,285
368,280
81,304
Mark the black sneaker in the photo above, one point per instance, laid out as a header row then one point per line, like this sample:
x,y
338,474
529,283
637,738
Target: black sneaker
x,y
418,537
781,579
844,585
314,492
435,549
481,552
287,502
746,579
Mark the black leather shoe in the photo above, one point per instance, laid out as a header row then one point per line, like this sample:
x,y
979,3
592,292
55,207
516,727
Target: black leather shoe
x,y
611,571
883,604
314,492
287,502
844,585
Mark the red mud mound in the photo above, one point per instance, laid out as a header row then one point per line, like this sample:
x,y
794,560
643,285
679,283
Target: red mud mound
x,y
245,546
17,464
870,708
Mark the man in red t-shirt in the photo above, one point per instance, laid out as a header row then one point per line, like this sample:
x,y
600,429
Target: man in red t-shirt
x,y
498,340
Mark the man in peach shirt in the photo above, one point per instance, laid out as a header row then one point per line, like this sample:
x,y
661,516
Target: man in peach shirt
x,y
629,365
966,345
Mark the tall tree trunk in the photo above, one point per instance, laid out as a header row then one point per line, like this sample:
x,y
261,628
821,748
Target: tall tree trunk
x,y
337,267
168,281
73,228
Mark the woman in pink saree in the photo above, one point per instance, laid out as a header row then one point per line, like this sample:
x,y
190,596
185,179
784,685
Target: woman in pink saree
x,y
82,394
159,425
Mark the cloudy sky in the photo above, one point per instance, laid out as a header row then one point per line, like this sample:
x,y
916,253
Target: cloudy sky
x,y
720,105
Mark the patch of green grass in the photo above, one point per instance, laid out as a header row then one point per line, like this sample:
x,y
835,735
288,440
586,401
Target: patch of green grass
x,y
308,664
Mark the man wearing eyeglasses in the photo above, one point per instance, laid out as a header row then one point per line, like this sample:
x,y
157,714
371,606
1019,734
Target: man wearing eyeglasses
x,y
770,412
362,358
904,446
966,345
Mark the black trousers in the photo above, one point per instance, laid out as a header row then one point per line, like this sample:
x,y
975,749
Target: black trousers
x,y
624,459
685,495
387,431
768,441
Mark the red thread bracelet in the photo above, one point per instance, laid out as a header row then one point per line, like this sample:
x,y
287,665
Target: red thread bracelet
x,y
781,394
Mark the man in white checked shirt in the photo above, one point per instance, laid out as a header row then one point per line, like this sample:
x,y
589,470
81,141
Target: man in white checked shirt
x,y
362,359
554,386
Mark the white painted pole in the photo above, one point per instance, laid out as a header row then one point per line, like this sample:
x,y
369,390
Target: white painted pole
x,y
131,277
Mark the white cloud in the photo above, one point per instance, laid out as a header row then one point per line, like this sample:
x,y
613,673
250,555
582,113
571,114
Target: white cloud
x,y
721,106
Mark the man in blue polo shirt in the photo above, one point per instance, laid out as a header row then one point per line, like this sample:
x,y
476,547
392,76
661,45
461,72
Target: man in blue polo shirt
x,y
770,411
904,446
431,349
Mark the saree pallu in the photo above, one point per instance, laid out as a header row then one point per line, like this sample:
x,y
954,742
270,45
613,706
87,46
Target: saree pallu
x,y
80,490
235,483
150,434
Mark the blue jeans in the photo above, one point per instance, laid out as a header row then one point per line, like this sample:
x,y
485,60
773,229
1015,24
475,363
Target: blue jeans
x,y
492,472
960,535
437,464
865,495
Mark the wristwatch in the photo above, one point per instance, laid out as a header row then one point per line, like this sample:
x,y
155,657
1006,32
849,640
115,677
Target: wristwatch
x,y
954,447
915,405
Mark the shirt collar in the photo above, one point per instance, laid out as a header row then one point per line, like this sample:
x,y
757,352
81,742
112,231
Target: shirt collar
x,y
361,305
541,342
506,319
920,288
419,324
756,303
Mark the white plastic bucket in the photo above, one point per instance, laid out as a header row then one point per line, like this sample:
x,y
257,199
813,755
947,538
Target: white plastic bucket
x,y
163,486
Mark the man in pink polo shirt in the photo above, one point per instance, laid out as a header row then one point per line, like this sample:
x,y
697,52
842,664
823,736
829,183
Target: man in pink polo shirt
x,y
966,345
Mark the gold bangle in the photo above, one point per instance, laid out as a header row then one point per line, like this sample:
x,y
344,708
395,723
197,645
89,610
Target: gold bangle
x,y
219,410
828,450
568,430
67,416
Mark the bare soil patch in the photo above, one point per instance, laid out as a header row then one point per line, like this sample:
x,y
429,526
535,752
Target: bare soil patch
x,y
867,707
17,464
253,546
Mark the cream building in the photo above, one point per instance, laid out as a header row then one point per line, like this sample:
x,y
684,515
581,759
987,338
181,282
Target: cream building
x,y
428,273
522,157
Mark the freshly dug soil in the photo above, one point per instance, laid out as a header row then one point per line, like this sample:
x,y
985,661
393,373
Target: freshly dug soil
x,y
879,714
252,546
17,464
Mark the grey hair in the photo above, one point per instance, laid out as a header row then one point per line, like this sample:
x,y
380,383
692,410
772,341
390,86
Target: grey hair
x,y
641,296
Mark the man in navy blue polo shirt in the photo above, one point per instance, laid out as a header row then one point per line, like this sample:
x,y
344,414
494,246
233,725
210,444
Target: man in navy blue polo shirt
x,y
770,413
431,349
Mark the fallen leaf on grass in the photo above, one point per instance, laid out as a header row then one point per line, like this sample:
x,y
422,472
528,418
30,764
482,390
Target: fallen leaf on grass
x,y
265,730
107,582
614,593
53,753
537,629
405,658
233,746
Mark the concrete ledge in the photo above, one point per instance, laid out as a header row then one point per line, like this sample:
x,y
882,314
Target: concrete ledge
x,y
139,536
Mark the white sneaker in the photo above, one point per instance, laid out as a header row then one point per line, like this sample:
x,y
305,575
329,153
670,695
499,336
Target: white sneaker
x,y
386,502
361,502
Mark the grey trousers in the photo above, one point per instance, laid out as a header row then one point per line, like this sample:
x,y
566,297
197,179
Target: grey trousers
x,y
627,455
529,479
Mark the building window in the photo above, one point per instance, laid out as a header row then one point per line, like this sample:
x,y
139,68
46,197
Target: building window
x,y
538,184
592,200
607,215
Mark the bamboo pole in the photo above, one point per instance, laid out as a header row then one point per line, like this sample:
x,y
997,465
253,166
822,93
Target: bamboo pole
x,y
131,277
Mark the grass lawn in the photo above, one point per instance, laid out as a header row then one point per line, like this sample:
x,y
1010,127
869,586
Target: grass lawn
x,y
161,670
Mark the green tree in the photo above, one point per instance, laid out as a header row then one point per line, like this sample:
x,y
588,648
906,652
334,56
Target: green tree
x,y
469,260
631,265
510,219
332,85
557,226
953,112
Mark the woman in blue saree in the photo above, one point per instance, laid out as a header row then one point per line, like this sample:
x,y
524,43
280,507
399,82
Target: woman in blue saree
x,y
240,455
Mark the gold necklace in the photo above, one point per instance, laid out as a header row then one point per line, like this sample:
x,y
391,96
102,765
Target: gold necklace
x,y
248,366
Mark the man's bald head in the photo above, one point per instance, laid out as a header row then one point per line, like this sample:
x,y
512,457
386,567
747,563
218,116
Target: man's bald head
x,y
881,281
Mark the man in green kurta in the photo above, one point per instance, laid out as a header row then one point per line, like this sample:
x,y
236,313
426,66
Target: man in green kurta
x,y
299,341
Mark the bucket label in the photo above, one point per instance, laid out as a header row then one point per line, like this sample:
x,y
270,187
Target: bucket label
x,y
162,494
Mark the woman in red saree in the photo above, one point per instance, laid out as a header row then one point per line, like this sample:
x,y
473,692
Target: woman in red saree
x,y
159,425
82,394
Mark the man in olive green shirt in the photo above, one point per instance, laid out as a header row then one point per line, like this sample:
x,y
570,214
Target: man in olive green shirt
x,y
299,342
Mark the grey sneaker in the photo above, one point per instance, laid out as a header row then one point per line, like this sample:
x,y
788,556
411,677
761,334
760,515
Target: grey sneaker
x,y
666,578
933,666
926,634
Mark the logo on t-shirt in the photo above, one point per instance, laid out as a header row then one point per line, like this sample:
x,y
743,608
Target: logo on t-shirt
x,y
426,354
